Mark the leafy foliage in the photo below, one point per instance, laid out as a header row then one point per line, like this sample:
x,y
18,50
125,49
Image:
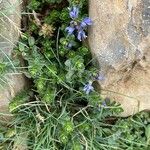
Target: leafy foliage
x,y
57,113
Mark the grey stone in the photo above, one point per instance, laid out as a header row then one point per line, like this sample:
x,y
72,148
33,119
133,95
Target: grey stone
x,y
10,18
120,43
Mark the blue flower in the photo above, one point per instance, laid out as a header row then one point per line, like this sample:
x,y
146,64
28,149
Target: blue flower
x,y
74,12
70,30
88,88
81,35
76,25
104,103
86,22
100,77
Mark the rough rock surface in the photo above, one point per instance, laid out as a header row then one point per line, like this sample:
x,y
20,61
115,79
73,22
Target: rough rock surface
x,y
10,16
120,43
15,84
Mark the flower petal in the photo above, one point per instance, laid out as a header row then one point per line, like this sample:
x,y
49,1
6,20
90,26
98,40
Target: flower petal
x,y
88,88
70,30
74,12
86,21
81,35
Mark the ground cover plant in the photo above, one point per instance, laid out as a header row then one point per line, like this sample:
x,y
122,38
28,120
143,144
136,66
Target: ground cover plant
x,y
62,110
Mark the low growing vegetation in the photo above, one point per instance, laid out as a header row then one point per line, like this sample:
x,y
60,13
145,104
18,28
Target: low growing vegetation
x,y
62,110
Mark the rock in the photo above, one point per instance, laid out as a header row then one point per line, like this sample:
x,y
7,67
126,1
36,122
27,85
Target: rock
x,y
15,84
120,43
10,18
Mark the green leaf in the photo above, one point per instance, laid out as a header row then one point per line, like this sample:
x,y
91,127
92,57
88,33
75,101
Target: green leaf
x,y
147,132
21,47
31,41
68,63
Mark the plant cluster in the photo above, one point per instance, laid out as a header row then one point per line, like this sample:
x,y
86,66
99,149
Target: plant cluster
x,y
62,110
